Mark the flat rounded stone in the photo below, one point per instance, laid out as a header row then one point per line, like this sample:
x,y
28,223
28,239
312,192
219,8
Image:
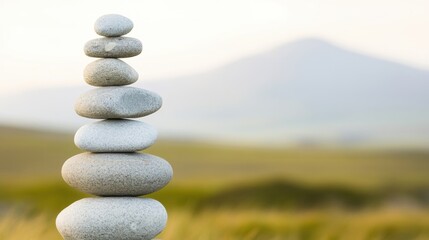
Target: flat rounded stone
x,y
109,72
107,218
115,135
114,47
113,25
117,102
117,174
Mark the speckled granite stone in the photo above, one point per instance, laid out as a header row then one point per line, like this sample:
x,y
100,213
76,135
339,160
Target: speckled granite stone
x,y
117,102
117,174
112,168
108,218
114,47
113,25
109,72
115,135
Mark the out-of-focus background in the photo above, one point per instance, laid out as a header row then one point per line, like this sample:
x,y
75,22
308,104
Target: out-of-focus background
x,y
282,119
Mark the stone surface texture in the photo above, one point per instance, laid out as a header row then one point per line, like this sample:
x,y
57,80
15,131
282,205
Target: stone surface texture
x,y
108,218
114,47
117,174
109,72
113,25
115,135
117,102
112,168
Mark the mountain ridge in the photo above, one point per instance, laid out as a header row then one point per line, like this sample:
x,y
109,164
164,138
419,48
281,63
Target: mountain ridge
x,y
304,91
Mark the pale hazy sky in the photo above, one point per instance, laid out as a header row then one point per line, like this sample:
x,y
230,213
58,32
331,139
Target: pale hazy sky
x,y
41,41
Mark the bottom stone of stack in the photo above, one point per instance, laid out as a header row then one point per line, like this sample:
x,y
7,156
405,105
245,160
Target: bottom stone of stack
x,y
119,218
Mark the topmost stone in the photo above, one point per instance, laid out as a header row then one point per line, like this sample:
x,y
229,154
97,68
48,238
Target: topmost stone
x,y
113,25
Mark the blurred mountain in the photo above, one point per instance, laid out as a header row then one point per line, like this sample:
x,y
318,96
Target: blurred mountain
x,y
307,92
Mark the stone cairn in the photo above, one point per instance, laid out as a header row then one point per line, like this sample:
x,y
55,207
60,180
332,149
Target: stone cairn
x,y
111,168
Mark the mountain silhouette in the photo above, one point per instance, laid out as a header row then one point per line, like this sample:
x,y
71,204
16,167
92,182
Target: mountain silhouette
x,y
305,92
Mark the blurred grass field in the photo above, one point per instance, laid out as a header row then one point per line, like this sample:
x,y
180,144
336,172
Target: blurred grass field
x,y
231,192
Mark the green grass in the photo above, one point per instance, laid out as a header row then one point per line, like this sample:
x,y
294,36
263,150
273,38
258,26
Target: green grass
x,y
225,192
37,155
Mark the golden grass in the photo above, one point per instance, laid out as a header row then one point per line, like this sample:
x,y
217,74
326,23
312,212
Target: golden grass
x,y
388,224
380,224
17,227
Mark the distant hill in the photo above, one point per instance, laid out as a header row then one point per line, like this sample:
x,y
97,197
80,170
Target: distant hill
x,y
306,92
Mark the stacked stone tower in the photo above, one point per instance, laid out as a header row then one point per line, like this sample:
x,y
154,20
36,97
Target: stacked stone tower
x,y
112,168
